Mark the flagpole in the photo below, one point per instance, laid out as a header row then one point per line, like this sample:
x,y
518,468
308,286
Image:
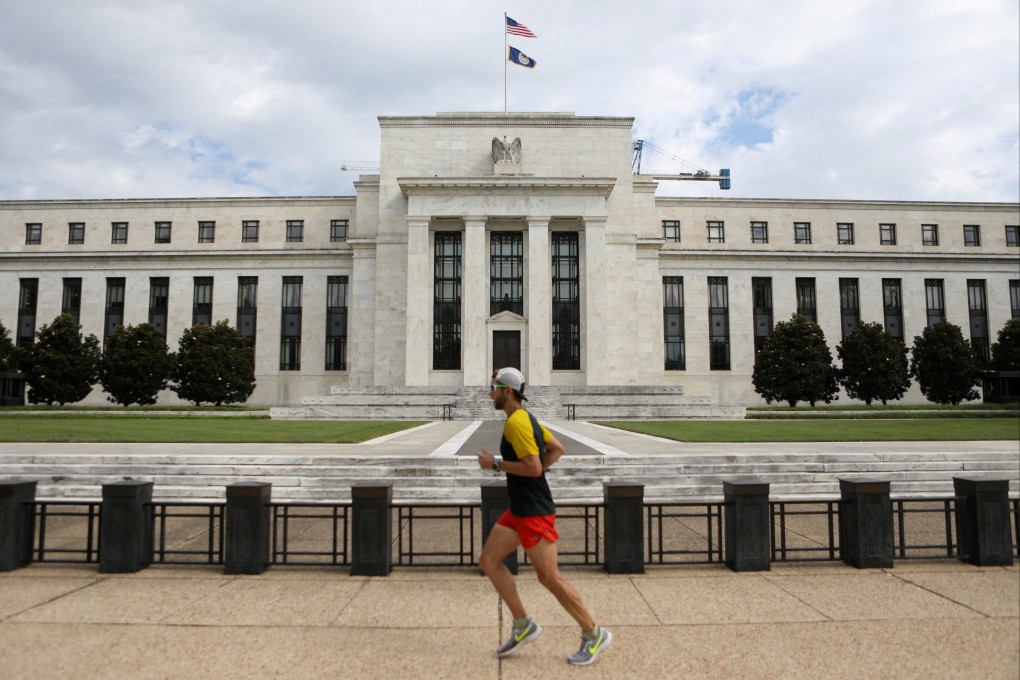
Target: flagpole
x,y
504,64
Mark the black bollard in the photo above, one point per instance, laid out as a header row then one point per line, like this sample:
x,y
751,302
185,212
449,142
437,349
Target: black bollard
x,y
982,521
247,531
125,527
748,535
372,523
495,502
865,523
625,536
17,523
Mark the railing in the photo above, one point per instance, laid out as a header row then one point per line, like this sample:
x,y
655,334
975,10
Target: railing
x,y
684,533
425,534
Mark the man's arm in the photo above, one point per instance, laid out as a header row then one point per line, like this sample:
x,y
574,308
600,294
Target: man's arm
x,y
553,451
529,466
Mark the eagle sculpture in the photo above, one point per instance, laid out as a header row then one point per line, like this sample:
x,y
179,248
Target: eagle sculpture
x,y
504,152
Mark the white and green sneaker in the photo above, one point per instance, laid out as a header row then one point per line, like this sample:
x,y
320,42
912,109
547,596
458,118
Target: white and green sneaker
x,y
590,649
519,637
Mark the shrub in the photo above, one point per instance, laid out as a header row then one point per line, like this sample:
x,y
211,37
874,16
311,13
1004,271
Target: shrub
x,y
1006,348
62,365
945,365
875,364
215,365
795,364
136,366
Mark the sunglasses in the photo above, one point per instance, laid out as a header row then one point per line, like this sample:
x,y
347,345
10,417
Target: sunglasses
x,y
493,388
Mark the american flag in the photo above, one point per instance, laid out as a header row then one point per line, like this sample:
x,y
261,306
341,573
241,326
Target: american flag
x,y
516,28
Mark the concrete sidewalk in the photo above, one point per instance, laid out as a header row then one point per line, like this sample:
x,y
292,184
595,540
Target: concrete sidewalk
x,y
932,619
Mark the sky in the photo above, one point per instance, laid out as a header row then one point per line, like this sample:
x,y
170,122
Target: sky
x,y
829,99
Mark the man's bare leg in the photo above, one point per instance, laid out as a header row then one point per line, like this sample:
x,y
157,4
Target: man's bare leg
x,y
501,542
545,558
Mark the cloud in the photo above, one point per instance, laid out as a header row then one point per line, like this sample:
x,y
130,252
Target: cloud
x,y
858,99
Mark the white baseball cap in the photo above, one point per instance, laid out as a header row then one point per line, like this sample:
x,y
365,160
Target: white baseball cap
x,y
512,378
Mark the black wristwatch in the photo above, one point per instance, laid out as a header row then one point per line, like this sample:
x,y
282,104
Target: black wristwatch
x,y
495,465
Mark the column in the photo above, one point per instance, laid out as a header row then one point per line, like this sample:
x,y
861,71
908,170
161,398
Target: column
x,y
538,352
625,537
475,297
247,545
361,320
982,521
125,527
595,326
865,523
748,537
372,529
418,359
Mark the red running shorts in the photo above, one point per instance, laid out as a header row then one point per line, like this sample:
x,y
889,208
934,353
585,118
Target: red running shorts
x,y
531,529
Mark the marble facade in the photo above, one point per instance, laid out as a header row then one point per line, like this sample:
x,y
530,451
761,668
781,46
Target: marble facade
x,y
572,173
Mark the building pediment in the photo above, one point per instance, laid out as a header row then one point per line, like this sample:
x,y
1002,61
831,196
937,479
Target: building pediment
x,y
513,185
505,317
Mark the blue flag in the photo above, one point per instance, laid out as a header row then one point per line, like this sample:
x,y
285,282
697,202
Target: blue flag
x,y
521,59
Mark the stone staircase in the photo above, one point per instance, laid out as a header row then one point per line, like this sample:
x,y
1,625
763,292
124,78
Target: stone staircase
x,y
629,402
672,477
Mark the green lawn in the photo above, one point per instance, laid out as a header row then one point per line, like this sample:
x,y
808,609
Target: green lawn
x,y
833,430
69,427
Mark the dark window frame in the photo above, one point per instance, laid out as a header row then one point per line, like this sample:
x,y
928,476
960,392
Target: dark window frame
x,y
159,302
249,231
506,272
845,233
719,323
163,232
202,300
807,298
447,302
338,230
972,235
75,233
802,233
977,307
716,231
671,231
70,298
207,231
337,292
1013,236
673,324
929,234
295,231
892,307
849,304
887,234
566,301
761,301
759,232
935,300
291,311
119,233
33,233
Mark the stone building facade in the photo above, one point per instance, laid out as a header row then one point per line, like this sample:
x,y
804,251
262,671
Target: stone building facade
x,y
490,239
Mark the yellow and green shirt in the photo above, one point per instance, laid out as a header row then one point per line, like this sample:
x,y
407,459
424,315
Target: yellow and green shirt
x,y
529,496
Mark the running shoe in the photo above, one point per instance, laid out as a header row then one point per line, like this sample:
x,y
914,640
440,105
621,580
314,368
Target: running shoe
x,y
590,649
518,638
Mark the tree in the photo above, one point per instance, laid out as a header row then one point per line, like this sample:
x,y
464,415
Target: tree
x,y
1006,348
8,353
945,365
62,365
136,366
875,364
214,365
795,364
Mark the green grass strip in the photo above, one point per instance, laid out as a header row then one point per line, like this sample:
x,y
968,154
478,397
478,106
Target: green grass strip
x,y
879,408
193,429
829,430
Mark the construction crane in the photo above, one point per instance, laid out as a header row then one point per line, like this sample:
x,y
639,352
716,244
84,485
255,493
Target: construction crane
x,y
359,166
696,174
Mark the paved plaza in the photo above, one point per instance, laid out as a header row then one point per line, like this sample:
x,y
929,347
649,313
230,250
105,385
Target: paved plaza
x,y
936,618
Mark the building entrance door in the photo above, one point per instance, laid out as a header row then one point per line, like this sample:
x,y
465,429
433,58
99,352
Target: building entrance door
x,y
506,349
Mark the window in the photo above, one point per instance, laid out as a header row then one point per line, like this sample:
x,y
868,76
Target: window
x,y
247,306
250,231
849,305
71,299
119,233
76,233
446,307
338,230
716,232
33,234
978,305
566,301
159,302
163,232
761,297
336,323
201,303
934,300
295,231
28,299
892,304
1013,236
971,234
759,232
887,234
206,232
929,234
845,233
806,304
1014,298
673,322
114,307
290,326
506,272
671,230
719,323
802,232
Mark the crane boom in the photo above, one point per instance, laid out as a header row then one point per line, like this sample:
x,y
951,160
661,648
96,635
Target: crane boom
x,y
696,174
